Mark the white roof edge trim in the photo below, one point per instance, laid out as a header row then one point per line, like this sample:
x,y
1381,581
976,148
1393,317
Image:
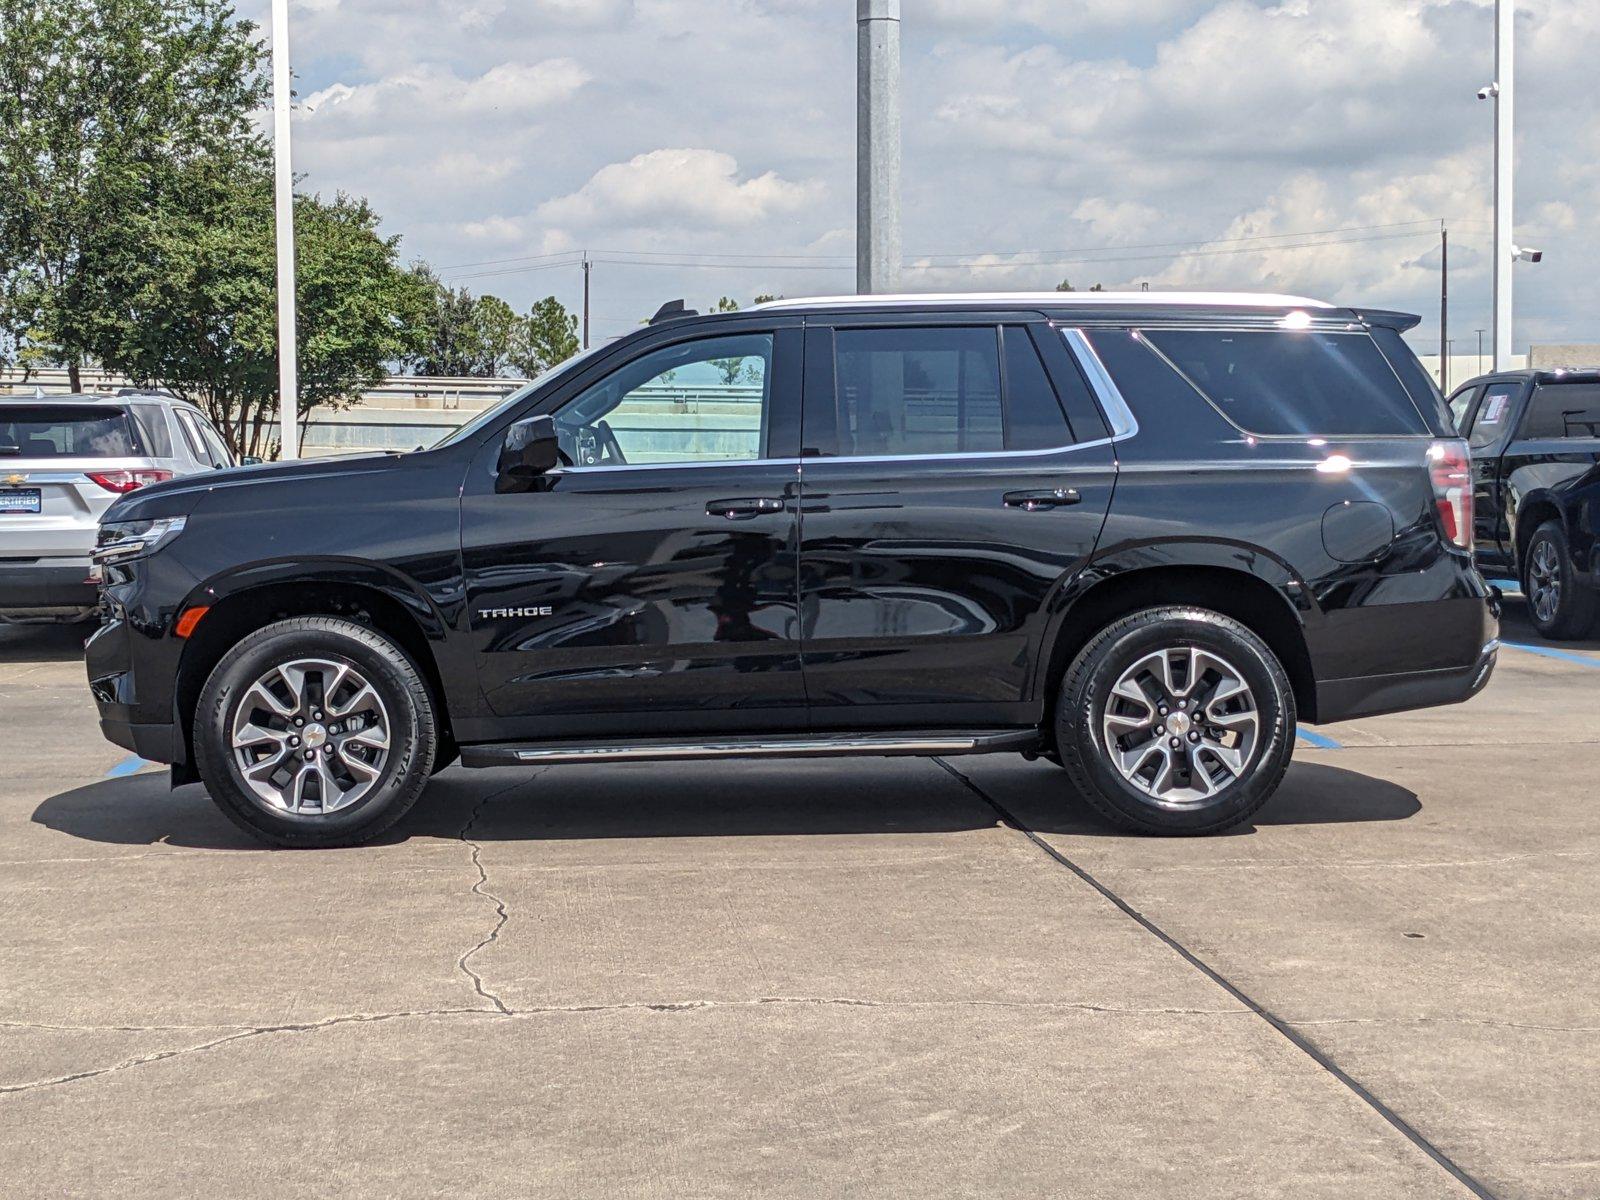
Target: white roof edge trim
x,y
1057,299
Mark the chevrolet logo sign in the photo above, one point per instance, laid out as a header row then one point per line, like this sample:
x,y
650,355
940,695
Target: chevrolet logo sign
x,y
16,480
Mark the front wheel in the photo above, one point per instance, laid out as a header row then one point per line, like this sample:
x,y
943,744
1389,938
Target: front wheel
x,y
1175,721
1561,607
315,731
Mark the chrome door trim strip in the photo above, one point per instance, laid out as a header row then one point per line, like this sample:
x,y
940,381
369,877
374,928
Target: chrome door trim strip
x,y
799,747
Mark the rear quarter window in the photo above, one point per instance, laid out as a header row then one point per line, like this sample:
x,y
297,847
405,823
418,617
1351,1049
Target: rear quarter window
x,y
1293,382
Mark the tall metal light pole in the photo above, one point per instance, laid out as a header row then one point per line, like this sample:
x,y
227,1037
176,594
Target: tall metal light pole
x,y
877,146
283,198
1444,306
1504,254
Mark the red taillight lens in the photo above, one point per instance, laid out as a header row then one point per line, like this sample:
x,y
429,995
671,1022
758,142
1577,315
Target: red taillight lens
x,y
1450,471
126,481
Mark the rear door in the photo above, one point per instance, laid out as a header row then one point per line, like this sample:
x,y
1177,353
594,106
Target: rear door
x,y
955,472
1557,441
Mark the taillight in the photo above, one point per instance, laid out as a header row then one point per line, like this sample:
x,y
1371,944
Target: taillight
x,y
1450,471
125,481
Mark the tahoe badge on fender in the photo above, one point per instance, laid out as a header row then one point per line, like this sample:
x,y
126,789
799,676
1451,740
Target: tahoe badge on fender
x,y
495,614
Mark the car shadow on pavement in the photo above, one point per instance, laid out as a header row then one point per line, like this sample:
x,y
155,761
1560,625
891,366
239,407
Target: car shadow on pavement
x,y
1516,626
37,642
770,799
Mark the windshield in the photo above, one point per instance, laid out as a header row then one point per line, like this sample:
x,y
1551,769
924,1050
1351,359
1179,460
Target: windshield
x,y
490,414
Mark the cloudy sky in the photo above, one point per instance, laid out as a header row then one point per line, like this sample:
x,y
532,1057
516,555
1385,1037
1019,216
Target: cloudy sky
x,y
699,148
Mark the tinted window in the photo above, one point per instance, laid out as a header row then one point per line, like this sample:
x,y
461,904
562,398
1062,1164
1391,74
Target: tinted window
x,y
1424,392
1493,414
153,433
702,401
221,456
918,391
44,432
191,435
1563,410
1146,382
1034,419
1459,403
1298,382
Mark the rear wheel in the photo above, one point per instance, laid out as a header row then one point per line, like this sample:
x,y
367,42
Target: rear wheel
x,y
315,732
1175,721
1559,606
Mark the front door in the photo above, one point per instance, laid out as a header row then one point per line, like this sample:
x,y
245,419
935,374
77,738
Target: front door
x,y
649,586
947,497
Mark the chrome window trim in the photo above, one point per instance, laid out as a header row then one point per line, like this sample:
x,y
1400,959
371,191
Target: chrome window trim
x,y
674,466
1117,413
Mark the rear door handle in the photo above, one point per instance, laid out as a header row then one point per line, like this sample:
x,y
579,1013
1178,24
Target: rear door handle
x,y
744,507
1049,498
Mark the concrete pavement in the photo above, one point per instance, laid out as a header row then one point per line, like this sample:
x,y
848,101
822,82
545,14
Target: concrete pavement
x,y
848,978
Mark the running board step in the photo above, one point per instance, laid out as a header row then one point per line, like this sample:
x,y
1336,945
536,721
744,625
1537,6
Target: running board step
x,y
806,745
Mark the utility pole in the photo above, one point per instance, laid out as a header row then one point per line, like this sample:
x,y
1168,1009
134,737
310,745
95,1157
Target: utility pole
x,y
1444,306
1480,351
877,146
283,205
587,266
1503,92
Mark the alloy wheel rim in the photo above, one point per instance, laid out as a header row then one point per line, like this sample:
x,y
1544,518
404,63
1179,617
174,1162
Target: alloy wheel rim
x,y
1544,581
310,737
1180,725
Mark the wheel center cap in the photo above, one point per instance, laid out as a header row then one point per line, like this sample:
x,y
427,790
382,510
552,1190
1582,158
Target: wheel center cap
x,y
314,735
1177,722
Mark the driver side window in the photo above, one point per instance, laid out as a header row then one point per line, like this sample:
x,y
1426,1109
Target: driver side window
x,y
700,401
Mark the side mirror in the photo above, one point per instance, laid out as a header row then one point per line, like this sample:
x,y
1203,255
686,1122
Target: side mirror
x,y
530,451
250,460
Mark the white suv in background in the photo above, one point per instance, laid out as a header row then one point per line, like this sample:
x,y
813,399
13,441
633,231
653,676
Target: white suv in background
x,y
63,460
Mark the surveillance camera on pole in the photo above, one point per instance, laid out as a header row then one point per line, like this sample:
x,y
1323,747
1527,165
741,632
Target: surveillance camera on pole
x,y
1526,254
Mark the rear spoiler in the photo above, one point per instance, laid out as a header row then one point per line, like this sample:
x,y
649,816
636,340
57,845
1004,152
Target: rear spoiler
x,y
1398,321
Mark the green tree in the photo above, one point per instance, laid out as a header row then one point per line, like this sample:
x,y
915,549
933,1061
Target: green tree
x,y
497,335
105,108
549,337
448,340
202,320
731,369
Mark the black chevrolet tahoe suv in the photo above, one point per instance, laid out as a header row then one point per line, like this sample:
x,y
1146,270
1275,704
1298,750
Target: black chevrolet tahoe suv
x,y
1140,536
1535,444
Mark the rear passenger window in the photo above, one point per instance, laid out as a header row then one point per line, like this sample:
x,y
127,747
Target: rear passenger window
x,y
1034,418
918,391
1293,382
1563,410
1493,414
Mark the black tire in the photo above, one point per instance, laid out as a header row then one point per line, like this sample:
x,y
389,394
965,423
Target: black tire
x,y
412,733
1086,692
1570,609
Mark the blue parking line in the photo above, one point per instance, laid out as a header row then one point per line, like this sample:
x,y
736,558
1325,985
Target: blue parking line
x,y
1320,740
1552,652
128,766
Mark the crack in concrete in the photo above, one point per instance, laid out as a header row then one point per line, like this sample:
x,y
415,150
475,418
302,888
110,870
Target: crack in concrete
x,y
247,1032
243,1034
502,914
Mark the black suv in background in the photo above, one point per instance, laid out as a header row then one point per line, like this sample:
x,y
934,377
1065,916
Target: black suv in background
x,y
1535,442
1139,535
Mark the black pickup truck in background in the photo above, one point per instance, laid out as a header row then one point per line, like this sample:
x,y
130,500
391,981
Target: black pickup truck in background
x,y
1535,441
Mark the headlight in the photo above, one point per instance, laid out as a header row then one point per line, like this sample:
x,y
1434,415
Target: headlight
x,y
120,541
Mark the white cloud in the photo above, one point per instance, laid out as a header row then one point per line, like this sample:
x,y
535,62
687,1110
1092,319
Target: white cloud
x,y
428,94
679,187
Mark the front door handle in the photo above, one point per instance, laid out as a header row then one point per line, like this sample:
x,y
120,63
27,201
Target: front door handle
x,y
1049,498
744,507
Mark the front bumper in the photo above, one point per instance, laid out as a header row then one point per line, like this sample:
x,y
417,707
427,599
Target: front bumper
x,y
47,587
